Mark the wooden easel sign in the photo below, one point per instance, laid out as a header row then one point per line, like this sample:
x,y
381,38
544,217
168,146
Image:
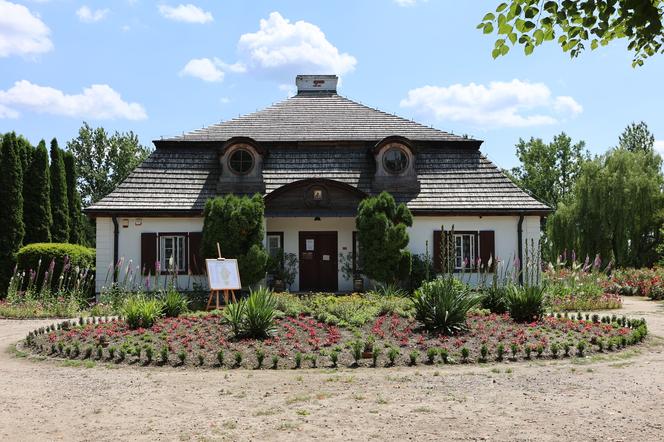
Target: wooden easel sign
x,y
223,276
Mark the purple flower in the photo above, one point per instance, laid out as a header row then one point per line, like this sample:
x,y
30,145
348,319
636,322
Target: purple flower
x,y
597,263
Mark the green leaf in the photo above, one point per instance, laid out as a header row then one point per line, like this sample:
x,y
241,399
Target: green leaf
x,y
528,49
512,37
539,36
495,53
489,17
501,7
504,49
488,29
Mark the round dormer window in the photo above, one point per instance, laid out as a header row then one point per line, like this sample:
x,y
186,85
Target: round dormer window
x,y
241,161
395,160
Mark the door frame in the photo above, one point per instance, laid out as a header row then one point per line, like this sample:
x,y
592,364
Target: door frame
x,y
335,257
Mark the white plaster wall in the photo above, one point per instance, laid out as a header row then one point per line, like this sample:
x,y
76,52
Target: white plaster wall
x,y
505,228
104,241
129,243
292,226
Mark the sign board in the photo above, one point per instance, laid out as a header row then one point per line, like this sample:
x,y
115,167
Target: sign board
x,y
223,274
309,245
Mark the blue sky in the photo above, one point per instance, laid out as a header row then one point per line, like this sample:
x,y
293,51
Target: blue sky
x,y
160,68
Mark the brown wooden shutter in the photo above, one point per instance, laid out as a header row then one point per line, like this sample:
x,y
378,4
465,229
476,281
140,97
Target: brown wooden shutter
x,y
488,248
437,240
196,261
148,252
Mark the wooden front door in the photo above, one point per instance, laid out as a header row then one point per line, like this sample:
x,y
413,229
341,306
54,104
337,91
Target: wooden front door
x,y
318,261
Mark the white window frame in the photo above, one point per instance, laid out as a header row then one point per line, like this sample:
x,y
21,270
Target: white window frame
x,y
280,246
179,251
458,250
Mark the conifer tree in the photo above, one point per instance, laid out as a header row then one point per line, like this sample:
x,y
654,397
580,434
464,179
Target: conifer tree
x,y
36,198
59,206
11,208
76,235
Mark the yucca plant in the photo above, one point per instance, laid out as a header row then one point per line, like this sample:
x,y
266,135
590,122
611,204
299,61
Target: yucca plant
x,y
174,303
259,313
525,303
140,312
442,305
234,316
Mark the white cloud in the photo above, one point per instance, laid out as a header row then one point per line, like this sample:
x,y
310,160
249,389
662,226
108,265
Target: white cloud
x,y
203,68
187,13
98,101
500,104
21,32
284,49
567,104
659,145
210,69
87,15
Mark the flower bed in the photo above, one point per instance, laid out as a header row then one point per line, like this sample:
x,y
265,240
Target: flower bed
x,y
303,341
578,288
637,282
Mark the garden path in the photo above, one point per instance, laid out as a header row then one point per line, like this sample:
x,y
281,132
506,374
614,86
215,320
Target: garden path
x,y
617,396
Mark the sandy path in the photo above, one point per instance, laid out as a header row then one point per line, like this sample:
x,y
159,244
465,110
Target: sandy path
x,y
616,397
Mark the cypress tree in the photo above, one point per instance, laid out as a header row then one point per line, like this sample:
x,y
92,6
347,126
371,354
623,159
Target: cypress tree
x,y
36,198
11,208
59,206
73,200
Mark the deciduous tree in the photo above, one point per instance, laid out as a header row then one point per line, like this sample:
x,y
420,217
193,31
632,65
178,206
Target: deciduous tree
x,y
575,24
548,170
637,137
615,209
103,162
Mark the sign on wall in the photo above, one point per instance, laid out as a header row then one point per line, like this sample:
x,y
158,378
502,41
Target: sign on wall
x,y
223,274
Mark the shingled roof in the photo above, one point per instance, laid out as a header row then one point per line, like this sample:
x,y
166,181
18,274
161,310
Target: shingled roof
x,y
180,180
317,116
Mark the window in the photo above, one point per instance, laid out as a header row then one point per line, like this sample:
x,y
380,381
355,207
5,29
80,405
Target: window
x,y
395,160
241,161
172,253
274,243
356,253
464,251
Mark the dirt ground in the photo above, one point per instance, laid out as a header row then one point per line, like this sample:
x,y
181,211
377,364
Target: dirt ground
x,y
616,396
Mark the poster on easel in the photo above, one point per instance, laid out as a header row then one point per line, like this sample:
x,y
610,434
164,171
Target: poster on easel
x,y
223,274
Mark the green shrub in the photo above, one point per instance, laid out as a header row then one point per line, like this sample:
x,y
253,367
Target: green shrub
x,y
442,305
392,355
289,304
525,303
174,303
236,223
141,312
383,238
29,257
413,356
357,346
